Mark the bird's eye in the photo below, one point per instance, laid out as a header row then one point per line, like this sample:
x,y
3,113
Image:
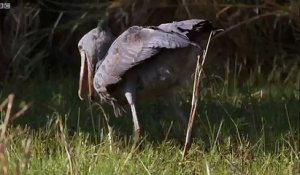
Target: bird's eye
x,y
79,47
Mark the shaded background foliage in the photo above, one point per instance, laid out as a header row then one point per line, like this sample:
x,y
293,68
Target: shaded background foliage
x,y
39,38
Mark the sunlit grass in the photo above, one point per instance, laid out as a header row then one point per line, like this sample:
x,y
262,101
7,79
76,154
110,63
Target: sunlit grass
x,y
49,157
248,132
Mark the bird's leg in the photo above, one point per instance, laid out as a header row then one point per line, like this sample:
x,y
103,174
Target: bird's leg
x,y
131,100
176,107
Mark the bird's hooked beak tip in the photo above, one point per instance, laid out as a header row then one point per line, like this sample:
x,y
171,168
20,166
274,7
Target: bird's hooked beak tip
x,y
80,95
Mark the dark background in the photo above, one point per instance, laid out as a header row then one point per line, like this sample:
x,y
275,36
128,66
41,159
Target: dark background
x,y
39,38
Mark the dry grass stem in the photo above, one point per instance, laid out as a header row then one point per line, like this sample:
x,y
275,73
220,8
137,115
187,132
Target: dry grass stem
x,y
10,100
20,112
4,139
198,72
66,146
26,155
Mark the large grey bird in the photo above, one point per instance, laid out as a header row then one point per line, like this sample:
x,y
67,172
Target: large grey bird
x,y
142,62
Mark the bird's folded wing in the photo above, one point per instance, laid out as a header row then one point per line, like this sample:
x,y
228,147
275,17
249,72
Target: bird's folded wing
x,y
133,47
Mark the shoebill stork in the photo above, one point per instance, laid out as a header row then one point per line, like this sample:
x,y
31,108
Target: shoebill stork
x,y
143,62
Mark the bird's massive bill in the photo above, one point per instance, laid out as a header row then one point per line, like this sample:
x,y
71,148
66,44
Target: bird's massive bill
x,y
85,79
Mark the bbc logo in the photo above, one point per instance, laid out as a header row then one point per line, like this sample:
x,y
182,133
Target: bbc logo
x,y
4,6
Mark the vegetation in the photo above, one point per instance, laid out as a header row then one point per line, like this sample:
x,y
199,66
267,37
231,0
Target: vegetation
x,y
248,115
256,133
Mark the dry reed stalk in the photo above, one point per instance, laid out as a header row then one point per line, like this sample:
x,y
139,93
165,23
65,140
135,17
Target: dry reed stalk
x,y
22,167
3,126
110,129
198,72
20,112
3,104
71,161
4,139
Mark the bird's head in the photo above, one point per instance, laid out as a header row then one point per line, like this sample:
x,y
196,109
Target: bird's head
x,y
201,29
93,47
201,25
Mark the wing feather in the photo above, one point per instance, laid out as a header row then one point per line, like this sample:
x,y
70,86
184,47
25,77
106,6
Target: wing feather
x,y
183,27
132,47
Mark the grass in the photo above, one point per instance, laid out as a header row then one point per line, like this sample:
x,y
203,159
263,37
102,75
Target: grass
x,y
250,132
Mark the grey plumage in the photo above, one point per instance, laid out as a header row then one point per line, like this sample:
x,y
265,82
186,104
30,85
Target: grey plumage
x,y
131,48
93,47
143,61
187,26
